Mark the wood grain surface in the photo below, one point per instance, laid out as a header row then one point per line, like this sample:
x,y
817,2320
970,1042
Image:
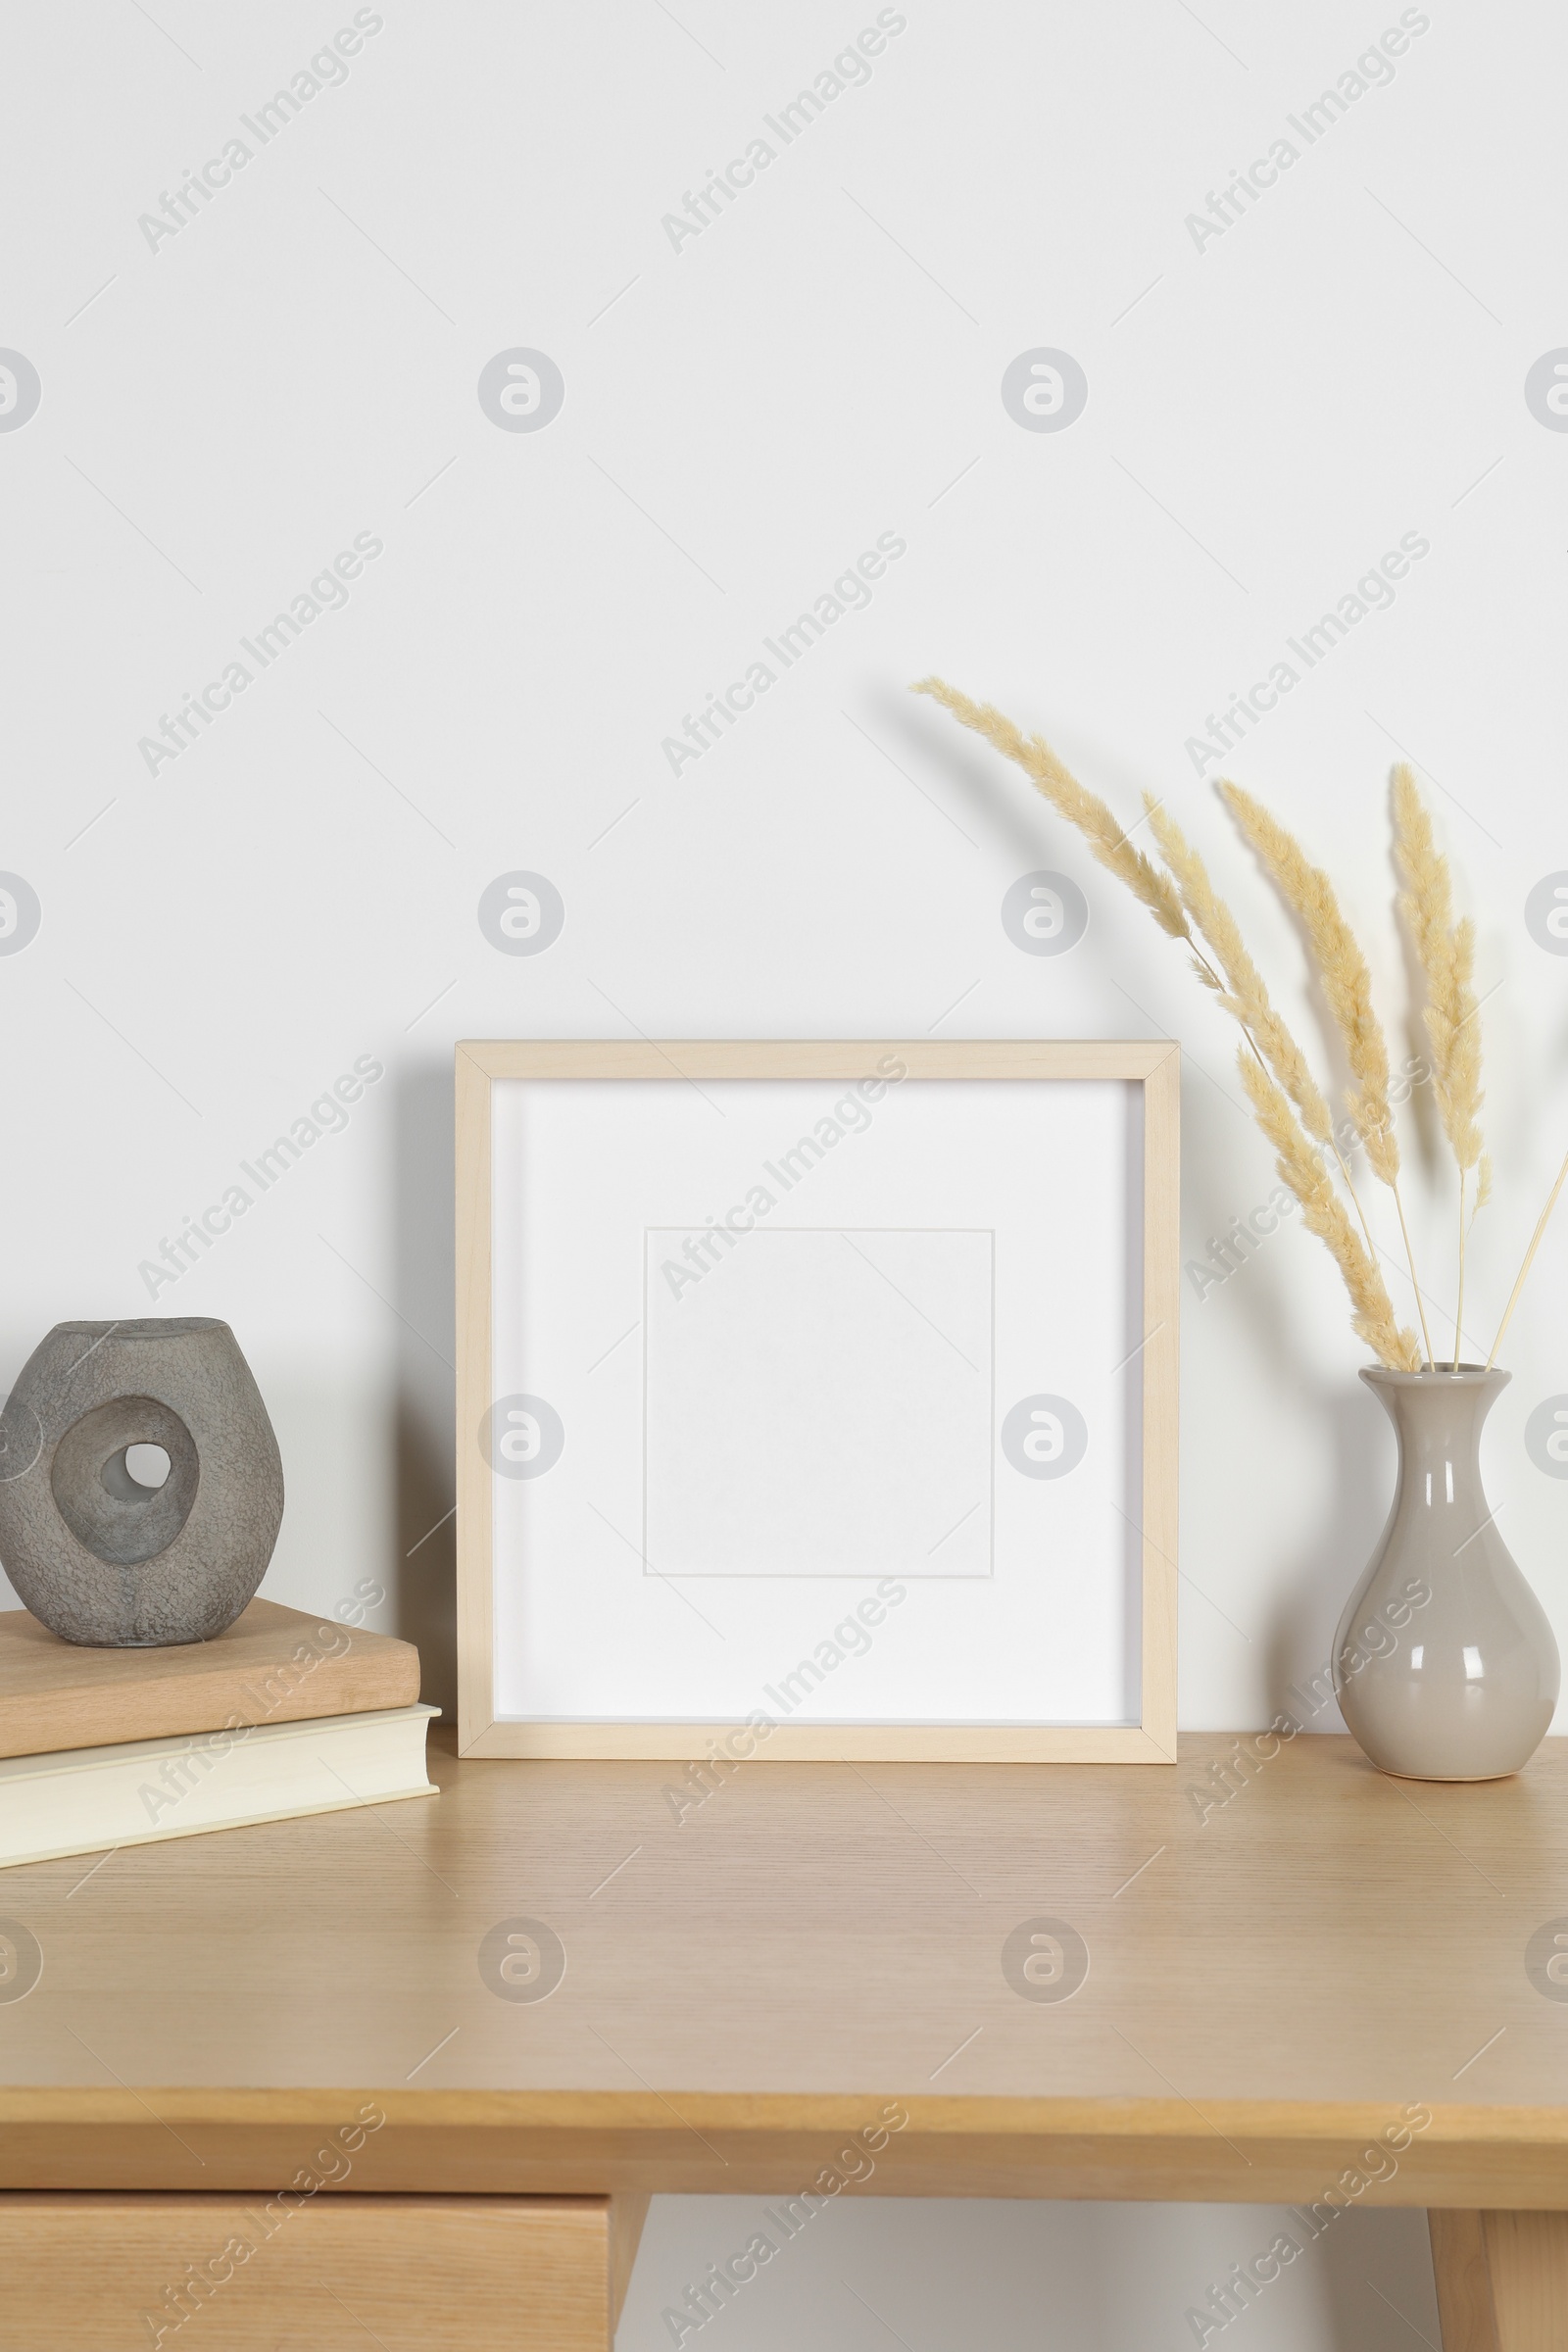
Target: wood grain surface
x,y
412,2273
1527,2254
1462,2274
273,1665
1273,1982
1501,2280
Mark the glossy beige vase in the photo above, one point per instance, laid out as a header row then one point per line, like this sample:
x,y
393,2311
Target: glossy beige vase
x,y
1445,1664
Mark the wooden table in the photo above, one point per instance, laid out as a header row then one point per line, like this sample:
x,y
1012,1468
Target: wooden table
x,y
802,1983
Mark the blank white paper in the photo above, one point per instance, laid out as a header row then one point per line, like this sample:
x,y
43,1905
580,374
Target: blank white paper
x,y
746,1463
817,1402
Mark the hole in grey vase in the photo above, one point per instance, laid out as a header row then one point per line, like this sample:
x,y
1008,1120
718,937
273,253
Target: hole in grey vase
x,y
119,1518
148,1466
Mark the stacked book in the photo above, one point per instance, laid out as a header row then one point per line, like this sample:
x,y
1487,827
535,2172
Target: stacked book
x,y
283,1715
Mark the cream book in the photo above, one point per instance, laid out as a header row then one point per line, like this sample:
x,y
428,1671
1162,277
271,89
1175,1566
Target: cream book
x,y
81,1799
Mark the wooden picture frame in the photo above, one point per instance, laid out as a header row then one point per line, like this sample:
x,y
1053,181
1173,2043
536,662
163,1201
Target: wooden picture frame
x,y
1151,1065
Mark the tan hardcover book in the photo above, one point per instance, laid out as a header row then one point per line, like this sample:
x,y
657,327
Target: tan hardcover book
x,y
273,1665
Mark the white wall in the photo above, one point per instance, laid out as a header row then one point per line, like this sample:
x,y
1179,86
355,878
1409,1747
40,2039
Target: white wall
x,y
225,408
1027,2277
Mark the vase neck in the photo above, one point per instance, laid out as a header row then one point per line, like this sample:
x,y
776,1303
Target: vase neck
x,y
1437,1417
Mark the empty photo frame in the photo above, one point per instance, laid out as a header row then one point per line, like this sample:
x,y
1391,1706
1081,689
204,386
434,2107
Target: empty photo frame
x,y
817,1400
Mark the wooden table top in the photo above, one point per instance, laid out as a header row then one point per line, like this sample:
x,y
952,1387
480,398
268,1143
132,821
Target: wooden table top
x,y
1271,1982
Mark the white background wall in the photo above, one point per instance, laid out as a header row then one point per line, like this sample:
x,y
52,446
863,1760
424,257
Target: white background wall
x,y
1267,413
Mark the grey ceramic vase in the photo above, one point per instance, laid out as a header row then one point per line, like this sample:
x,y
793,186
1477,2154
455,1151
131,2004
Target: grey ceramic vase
x,y
97,1555
1445,1664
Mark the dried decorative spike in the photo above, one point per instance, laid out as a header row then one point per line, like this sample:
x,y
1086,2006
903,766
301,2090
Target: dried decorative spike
x,y
1249,998
1302,1166
1081,808
1342,967
1446,953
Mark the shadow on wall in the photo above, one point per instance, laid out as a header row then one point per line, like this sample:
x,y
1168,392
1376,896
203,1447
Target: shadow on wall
x,y
1341,1490
936,2274
422,1295
1376,2269
1320,1583
976,785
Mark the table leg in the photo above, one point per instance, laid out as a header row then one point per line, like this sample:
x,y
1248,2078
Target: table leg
x,y
1503,2280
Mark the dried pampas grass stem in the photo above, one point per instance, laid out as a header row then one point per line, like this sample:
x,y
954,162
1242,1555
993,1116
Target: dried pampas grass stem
x,y
1106,838
1445,950
1188,908
1302,1166
1542,1222
1347,986
1248,1000
1290,1106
